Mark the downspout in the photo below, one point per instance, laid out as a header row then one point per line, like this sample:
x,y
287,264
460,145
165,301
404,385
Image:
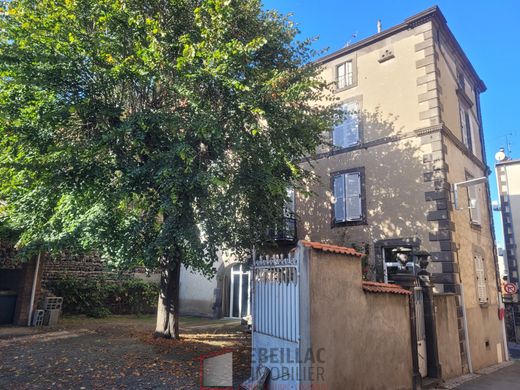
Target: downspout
x,y
501,306
253,312
416,375
466,335
33,291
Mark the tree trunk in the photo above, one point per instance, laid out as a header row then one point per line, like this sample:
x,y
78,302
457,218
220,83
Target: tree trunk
x,y
167,325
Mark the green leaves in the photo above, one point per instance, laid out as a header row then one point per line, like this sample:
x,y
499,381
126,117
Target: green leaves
x,y
152,131
99,297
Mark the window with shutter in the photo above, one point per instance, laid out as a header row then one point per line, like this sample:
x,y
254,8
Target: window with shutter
x,y
348,199
469,138
481,280
346,133
465,125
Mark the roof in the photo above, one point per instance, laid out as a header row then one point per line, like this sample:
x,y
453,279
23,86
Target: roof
x,y
507,162
411,22
375,287
331,248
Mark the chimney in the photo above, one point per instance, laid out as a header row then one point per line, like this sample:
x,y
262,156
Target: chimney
x,y
379,26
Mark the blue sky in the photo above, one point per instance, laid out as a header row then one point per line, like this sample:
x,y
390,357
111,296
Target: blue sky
x,y
489,33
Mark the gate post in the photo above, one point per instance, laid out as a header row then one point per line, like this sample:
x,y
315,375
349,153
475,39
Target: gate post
x,y
430,324
409,282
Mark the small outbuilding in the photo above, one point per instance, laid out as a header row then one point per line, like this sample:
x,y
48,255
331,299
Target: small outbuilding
x,y
316,322
19,288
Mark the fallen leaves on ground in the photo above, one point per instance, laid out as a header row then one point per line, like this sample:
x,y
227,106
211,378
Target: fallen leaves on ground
x,y
119,358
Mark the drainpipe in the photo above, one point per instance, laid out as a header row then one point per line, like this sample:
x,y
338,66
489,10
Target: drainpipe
x,y
466,335
253,314
416,375
501,306
33,291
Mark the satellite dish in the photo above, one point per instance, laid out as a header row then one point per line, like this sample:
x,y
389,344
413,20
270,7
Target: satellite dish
x,y
500,155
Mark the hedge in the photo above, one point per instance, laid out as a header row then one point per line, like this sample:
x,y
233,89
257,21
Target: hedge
x,y
99,297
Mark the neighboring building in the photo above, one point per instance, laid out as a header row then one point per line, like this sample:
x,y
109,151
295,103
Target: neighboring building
x,y
508,181
413,130
503,269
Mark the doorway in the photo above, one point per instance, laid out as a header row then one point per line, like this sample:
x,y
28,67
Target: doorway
x,y
240,292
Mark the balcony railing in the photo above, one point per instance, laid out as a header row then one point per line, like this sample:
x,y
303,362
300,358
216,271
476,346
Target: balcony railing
x,y
286,230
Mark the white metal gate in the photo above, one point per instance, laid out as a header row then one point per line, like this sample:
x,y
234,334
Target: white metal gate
x,y
276,318
421,332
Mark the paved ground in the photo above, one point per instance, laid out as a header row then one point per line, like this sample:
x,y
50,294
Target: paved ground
x,y
507,378
514,350
116,353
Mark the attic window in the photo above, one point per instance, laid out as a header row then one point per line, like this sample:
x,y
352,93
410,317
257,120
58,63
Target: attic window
x,y
386,55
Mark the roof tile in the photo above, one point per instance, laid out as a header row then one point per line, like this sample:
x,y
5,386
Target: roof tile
x,y
331,248
375,287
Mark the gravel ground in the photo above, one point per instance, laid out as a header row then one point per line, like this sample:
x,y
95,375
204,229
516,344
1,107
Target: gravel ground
x,y
118,353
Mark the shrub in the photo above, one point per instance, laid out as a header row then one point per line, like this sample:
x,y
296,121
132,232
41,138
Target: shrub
x,y
99,297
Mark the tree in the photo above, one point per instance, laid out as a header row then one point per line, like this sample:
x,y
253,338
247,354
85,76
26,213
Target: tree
x,y
154,132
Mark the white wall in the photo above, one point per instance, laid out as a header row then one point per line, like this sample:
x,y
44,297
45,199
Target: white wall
x,y
197,294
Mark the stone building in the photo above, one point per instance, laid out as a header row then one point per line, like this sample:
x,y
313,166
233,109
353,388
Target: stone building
x,y
413,129
385,178
508,180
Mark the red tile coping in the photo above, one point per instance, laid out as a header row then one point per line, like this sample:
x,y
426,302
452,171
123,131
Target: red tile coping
x,y
376,287
331,248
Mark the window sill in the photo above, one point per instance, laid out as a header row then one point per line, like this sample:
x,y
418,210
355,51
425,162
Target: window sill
x,y
462,94
469,150
339,149
337,90
475,225
349,223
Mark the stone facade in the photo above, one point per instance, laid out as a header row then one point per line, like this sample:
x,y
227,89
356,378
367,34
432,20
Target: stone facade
x,y
420,132
78,267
